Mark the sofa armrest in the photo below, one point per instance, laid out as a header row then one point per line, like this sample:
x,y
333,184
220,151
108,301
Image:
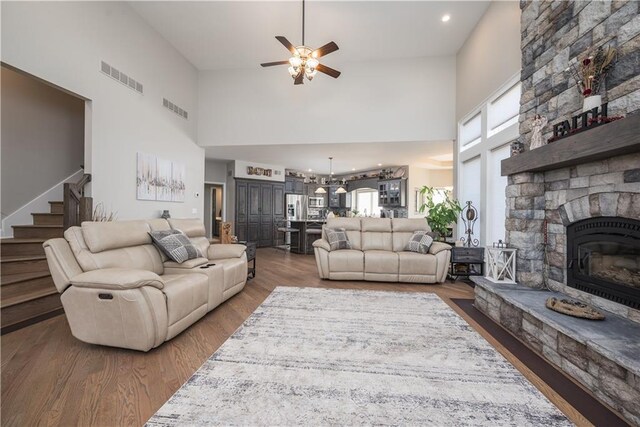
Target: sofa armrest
x,y
437,247
323,244
224,251
187,265
117,278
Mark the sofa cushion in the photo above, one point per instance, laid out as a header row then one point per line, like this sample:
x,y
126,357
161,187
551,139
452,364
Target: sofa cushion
x,y
192,227
346,260
176,245
185,293
411,263
102,236
143,257
376,261
351,227
420,242
337,238
403,229
376,234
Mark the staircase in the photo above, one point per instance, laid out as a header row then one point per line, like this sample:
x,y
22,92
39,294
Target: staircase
x,y
28,294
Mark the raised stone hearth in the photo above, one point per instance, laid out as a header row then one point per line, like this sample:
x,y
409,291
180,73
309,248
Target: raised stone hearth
x,y
601,355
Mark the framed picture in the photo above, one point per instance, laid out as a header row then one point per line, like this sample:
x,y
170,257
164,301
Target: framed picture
x,y
159,179
146,177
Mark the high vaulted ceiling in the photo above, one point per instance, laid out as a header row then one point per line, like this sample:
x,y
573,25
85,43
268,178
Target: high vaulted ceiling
x,y
239,34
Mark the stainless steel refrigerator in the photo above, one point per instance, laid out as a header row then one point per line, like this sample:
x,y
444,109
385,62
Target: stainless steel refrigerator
x,y
296,207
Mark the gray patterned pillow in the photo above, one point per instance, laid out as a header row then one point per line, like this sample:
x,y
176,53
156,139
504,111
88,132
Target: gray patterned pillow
x,y
337,238
419,242
176,245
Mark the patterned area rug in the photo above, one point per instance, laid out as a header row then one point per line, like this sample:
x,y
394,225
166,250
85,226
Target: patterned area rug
x,y
322,356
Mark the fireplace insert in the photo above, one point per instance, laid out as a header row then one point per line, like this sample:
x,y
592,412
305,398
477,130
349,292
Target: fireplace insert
x,y
603,258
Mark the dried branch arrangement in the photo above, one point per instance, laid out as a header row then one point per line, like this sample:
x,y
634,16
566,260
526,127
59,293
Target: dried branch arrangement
x,y
100,214
589,72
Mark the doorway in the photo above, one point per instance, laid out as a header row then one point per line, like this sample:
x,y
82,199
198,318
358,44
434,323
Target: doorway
x,y
214,209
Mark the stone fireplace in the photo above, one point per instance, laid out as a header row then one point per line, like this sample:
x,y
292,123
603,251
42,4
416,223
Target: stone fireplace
x,y
573,206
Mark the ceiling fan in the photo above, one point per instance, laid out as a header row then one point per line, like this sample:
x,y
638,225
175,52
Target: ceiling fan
x,y
304,62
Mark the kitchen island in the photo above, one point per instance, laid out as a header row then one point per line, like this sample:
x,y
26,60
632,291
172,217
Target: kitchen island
x,y
307,239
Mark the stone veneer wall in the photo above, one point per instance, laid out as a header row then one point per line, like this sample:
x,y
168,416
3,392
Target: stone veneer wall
x,y
553,32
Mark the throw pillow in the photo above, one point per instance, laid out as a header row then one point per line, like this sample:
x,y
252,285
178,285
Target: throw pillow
x,y
176,245
419,242
337,238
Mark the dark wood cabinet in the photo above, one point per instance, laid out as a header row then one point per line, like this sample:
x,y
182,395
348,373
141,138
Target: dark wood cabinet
x,y
294,185
259,205
392,193
338,201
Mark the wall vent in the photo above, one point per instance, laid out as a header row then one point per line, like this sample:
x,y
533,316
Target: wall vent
x,y
121,77
173,107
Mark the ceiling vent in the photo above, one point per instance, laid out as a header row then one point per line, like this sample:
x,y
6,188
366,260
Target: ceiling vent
x,y
121,77
173,107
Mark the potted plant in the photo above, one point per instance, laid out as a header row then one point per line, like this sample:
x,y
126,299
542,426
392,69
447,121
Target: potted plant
x,y
589,73
442,211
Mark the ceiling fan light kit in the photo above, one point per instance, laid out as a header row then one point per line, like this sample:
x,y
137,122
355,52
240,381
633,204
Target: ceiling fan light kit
x,y
304,62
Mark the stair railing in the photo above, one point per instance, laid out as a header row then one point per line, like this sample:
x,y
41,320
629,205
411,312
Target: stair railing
x,y
77,207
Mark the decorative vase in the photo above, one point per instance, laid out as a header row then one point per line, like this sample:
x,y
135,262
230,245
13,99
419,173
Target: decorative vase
x,y
165,215
591,102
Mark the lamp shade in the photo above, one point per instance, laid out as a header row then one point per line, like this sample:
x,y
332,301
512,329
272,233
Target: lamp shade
x,y
320,190
341,190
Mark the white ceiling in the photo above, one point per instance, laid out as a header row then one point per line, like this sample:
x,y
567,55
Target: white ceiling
x,y
240,34
358,156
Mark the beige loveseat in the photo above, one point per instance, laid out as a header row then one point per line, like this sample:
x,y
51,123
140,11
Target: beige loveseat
x,y
378,253
119,290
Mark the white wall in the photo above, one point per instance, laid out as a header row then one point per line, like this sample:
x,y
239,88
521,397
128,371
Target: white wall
x,y
42,138
395,100
489,57
63,43
215,171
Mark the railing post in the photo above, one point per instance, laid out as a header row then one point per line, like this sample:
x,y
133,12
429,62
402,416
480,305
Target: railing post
x,y
86,209
68,207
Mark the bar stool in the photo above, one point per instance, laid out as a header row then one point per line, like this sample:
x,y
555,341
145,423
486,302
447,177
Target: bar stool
x,y
284,230
312,233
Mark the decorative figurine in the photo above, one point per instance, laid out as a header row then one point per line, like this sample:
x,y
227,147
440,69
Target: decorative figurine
x,y
165,214
469,216
538,124
517,147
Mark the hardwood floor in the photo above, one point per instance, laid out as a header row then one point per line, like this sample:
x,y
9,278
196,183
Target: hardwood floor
x,y
50,378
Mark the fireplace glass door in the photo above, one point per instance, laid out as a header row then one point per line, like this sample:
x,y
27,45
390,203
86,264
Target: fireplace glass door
x,y
603,257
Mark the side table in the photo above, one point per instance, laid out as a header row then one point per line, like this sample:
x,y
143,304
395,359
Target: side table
x,y
251,256
466,262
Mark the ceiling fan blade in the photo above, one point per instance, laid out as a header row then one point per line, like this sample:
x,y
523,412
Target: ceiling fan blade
x,y
325,50
287,44
328,71
300,79
271,64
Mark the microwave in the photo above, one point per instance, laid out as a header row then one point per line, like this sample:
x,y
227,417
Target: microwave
x,y
316,202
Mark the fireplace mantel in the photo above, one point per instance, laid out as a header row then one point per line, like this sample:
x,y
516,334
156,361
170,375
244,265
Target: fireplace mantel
x,y
608,140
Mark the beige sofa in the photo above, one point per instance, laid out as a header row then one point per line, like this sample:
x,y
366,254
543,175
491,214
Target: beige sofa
x,y
119,290
378,253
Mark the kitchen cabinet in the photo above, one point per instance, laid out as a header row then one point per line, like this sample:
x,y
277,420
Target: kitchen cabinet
x,y
259,207
294,185
392,193
338,201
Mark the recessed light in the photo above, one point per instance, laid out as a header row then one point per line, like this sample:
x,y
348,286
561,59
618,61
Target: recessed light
x,y
379,164
446,18
310,170
353,169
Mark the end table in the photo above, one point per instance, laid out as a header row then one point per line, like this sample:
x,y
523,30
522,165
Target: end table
x,y
466,262
251,256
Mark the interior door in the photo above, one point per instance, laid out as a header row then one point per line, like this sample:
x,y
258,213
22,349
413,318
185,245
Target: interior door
x,y
278,201
242,216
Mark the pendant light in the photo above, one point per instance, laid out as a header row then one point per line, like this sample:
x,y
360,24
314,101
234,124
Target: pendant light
x,y
321,190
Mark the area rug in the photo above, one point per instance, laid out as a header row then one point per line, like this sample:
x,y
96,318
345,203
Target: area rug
x,y
311,356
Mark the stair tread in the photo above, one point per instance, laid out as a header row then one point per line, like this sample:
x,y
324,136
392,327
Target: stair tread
x,y
55,202
21,277
13,240
21,258
47,213
37,226
8,302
